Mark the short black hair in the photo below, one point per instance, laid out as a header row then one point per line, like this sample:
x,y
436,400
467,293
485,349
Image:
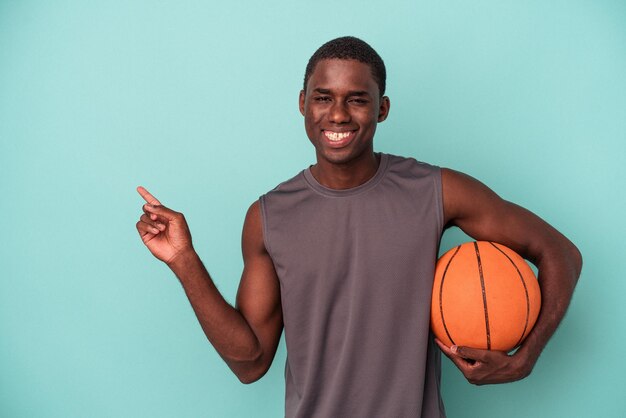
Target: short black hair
x,y
349,48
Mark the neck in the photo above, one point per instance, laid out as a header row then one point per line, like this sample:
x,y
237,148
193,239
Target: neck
x,y
347,175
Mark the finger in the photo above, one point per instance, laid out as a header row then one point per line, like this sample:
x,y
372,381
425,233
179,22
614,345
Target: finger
x,y
446,350
160,211
158,225
151,215
463,365
147,196
470,353
450,352
144,232
145,228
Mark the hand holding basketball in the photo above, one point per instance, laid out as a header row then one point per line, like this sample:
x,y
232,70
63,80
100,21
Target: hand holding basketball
x,y
162,230
482,367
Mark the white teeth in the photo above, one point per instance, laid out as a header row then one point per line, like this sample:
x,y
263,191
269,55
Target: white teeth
x,y
336,136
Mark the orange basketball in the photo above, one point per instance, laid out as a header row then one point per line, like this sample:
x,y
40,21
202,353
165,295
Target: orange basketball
x,y
484,296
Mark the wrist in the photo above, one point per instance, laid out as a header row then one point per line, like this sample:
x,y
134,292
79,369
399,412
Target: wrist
x,y
525,360
182,260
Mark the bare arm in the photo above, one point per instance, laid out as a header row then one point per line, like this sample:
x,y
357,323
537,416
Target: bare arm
x,y
245,336
483,215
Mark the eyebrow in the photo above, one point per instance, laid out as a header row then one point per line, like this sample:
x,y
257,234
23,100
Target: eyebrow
x,y
350,93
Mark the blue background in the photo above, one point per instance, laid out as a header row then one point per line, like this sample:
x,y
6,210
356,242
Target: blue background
x,y
198,102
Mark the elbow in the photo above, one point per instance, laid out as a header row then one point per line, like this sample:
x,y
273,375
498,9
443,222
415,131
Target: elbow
x,y
564,260
572,263
249,370
251,374
577,261
247,379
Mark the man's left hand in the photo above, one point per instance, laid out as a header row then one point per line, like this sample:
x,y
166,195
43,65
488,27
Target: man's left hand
x,y
483,367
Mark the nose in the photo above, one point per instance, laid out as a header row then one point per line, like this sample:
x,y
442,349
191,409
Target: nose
x,y
339,113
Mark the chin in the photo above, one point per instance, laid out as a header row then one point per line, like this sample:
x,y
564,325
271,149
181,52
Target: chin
x,y
340,156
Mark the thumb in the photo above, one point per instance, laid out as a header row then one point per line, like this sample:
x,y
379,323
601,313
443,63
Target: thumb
x,y
469,353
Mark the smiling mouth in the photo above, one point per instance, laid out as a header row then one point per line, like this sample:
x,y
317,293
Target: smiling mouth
x,y
338,137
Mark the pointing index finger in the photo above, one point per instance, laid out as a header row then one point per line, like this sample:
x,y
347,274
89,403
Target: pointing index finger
x,y
147,196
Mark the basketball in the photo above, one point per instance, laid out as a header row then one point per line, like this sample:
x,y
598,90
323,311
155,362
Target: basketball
x,y
484,296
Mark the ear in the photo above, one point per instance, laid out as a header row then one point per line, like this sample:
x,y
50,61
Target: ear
x,y
301,102
383,110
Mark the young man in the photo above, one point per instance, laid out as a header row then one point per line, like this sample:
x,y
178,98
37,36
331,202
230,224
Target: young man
x,y
342,256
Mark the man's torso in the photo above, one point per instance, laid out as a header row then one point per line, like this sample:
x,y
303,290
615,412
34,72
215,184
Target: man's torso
x,y
355,269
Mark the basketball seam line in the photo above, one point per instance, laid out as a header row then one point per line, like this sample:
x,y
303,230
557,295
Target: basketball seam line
x,y
443,277
482,286
525,292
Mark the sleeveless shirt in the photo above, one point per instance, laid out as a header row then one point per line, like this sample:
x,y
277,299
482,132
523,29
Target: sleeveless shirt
x,y
356,268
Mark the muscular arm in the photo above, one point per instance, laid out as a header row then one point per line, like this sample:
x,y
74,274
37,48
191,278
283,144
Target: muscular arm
x,y
483,215
245,336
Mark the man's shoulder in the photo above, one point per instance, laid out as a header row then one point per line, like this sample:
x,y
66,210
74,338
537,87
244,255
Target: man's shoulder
x,y
399,165
292,185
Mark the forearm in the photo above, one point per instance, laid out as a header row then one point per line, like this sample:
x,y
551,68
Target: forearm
x,y
225,327
559,269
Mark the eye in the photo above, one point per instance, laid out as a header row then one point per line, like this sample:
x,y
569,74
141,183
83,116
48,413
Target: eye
x,y
358,101
322,99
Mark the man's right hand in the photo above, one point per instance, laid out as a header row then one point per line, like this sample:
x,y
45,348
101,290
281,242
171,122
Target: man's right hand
x,y
162,230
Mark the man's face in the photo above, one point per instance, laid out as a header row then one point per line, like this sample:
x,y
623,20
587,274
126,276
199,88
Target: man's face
x,y
341,108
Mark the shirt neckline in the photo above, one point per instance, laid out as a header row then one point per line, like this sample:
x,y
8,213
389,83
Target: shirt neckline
x,y
369,184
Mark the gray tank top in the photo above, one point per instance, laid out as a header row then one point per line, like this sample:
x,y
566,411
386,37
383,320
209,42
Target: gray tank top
x,y
356,269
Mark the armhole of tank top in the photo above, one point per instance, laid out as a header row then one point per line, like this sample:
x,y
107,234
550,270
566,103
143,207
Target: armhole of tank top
x,y
265,228
438,186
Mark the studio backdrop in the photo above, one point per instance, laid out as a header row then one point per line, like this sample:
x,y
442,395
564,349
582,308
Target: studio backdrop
x,y
197,101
